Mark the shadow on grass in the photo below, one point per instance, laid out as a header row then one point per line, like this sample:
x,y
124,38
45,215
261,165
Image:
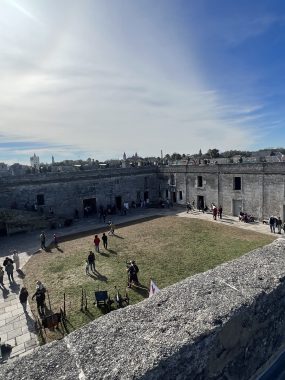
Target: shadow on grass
x,y
112,251
59,249
104,254
141,290
98,276
88,314
118,236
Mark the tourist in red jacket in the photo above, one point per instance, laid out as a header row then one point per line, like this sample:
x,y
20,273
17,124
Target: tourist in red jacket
x,y
97,243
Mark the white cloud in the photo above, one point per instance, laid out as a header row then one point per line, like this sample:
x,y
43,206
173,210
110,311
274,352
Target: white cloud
x,y
83,86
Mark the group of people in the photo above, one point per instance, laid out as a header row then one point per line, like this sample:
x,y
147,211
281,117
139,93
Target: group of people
x,y
43,240
276,223
217,211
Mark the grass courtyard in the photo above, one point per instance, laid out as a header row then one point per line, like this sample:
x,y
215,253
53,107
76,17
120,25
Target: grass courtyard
x,y
166,249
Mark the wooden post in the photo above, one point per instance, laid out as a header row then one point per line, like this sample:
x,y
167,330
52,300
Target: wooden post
x,y
64,310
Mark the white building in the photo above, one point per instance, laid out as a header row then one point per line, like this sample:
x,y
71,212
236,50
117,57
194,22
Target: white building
x,y
35,162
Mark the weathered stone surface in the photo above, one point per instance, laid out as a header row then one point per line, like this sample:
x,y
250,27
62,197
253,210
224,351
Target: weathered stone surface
x,y
221,324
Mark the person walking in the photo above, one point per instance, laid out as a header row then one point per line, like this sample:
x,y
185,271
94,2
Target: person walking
x,y
97,243
105,240
2,277
40,300
9,268
91,260
23,297
43,240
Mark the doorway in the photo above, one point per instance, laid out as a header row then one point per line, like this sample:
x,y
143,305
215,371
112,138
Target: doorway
x,y
145,195
173,197
237,207
118,201
89,206
200,202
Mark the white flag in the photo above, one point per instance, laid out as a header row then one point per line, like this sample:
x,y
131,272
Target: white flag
x,y
153,289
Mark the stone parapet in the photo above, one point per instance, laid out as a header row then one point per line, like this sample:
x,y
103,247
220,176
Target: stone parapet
x,y
221,324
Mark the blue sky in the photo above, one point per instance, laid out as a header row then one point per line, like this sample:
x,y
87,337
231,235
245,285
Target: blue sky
x,y
95,78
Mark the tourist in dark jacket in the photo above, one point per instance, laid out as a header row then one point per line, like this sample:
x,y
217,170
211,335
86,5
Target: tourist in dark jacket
x,y
23,297
105,240
9,268
91,260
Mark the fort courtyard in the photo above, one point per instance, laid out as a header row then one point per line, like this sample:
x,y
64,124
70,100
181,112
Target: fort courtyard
x,y
166,249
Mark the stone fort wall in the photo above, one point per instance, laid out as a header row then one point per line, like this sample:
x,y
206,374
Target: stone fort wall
x,y
225,323
258,189
261,191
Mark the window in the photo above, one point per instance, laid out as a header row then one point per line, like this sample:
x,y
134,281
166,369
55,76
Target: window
x,y
180,195
166,193
172,180
40,200
199,181
145,182
237,183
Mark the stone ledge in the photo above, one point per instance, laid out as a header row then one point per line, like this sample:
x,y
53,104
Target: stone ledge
x,y
214,325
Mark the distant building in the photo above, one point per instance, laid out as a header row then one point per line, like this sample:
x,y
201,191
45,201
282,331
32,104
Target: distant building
x,y
52,160
18,169
35,162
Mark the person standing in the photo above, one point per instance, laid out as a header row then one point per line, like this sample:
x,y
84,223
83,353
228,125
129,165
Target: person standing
x,y
188,207
43,240
279,224
133,271
105,240
40,300
55,240
91,261
97,243
87,267
23,297
215,211
272,224
220,212
16,260
2,277
10,270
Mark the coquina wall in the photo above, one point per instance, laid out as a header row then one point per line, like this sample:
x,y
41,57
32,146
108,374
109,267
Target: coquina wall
x,y
258,189
261,191
65,192
222,324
